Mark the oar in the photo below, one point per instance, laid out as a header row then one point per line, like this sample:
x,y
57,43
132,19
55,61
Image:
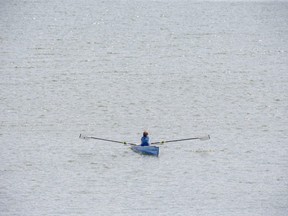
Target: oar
x,y
108,140
178,140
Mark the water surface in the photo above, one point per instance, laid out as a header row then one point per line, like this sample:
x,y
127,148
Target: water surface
x,y
113,69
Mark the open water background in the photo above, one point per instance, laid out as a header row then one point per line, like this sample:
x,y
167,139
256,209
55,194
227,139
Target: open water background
x,y
112,69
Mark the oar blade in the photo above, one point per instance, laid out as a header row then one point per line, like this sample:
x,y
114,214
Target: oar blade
x,y
81,136
207,137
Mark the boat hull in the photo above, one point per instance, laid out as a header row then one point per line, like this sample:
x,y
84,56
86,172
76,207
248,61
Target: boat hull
x,y
146,150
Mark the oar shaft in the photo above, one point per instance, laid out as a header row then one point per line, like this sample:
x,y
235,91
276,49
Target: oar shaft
x,y
178,140
181,140
108,140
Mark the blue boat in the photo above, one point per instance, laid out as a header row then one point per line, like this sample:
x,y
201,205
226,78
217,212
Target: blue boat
x,y
146,150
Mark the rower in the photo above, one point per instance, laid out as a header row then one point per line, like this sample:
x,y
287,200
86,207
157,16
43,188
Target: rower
x,y
145,139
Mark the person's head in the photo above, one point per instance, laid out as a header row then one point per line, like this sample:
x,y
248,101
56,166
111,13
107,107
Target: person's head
x,y
145,133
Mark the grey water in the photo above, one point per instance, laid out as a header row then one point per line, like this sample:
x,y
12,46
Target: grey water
x,y
113,69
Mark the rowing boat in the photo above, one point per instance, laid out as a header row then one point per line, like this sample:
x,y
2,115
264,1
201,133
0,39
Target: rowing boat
x,y
146,150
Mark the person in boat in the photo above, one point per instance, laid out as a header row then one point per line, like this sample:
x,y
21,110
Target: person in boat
x,y
145,139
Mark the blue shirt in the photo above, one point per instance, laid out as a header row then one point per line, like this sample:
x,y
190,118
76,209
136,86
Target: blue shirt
x,y
145,141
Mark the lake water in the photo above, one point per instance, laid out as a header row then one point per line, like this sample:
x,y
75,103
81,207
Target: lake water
x,y
113,69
